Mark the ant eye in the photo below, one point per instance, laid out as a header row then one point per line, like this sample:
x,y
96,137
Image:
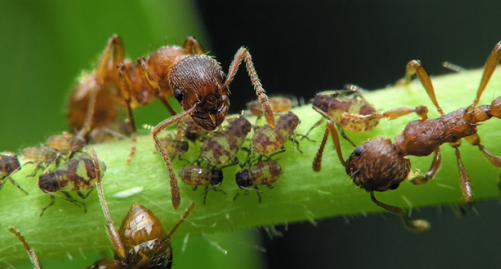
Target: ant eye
x,y
358,150
178,94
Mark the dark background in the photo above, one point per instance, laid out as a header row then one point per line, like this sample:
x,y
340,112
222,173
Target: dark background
x,y
301,48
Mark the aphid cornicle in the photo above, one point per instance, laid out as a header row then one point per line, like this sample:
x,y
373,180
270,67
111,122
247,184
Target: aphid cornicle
x,y
77,174
201,87
195,175
9,165
262,173
379,164
267,139
141,241
31,251
221,147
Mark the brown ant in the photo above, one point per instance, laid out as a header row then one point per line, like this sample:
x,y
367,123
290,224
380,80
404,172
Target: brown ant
x,y
96,101
141,241
9,165
380,165
31,251
202,89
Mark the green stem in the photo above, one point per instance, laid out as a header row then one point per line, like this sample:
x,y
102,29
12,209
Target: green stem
x,y
300,194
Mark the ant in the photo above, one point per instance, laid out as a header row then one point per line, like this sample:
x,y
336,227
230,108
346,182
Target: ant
x,y
201,87
141,241
96,101
9,165
77,174
380,165
31,251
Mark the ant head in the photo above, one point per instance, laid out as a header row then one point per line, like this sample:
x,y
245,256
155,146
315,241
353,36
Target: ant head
x,y
376,165
48,182
216,177
197,81
243,179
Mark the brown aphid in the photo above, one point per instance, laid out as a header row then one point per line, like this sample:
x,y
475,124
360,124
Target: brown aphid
x,y
98,99
31,251
40,156
267,139
141,241
191,130
77,174
379,164
221,147
9,165
65,142
278,104
262,173
202,88
195,175
174,146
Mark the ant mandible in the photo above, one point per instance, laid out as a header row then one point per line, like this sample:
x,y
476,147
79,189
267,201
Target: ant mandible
x,y
201,87
380,165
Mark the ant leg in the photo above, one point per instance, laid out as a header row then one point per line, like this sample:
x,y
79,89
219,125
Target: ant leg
x,y
490,66
192,46
31,252
475,141
243,54
317,162
436,163
465,179
335,138
126,93
185,216
152,81
112,232
115,44
417,226
174,189
415,67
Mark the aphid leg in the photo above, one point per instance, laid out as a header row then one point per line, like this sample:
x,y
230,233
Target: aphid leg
x,y
475,141
490,66
174,189
417,226
343,135
84,196
465,179
52,200
115,44
207,189
185,216
421,111
9,177
243,54
31,251
112,232
317,161
152,81
72,200
126,93
436,163
192,46
318,123
246,193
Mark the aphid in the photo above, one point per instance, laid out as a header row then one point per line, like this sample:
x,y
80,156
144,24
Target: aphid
x,y
31,251
40,156
278,104
9,165
141,241
96,101
380,165
173,146
77,174
267,139
262,173
65,142
201,87
191,130
195,175
221,147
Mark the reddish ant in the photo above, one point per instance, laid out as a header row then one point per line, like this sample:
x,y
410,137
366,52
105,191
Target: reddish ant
x,y
95,102
201,87
31,251
380,165
141,241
